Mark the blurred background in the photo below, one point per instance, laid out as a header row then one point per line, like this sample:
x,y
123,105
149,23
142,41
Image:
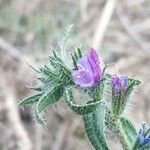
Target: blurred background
x,y
119,30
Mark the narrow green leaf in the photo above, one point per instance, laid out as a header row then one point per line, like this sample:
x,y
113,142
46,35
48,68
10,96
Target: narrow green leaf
x,y
47,72
129,130
34,88
131,86
79,52
79,109
76,56
39,118
90,131
35,69
74,62
52,95
116,105
99,124
120,101
30,100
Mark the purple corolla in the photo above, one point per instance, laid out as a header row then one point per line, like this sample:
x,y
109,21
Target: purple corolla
x,y
119,84
142,138
88,72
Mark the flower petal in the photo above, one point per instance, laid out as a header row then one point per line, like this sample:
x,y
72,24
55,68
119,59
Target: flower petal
x,y
83,78
124,81
116,83
95,64
141,134
83,63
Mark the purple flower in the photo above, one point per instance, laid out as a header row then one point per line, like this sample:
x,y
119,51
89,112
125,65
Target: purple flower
x,y
119,84
88,72
142,139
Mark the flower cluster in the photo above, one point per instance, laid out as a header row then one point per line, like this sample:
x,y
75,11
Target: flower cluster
x,y
89,73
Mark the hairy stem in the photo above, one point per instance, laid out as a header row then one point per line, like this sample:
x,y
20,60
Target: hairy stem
x,y
90,131
122,136
114,125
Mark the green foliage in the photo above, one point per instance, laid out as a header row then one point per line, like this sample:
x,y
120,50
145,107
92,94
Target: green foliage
x,y
95,127
30,100
77,108
53,77
75,56
129,130
121,100
103,110
52,95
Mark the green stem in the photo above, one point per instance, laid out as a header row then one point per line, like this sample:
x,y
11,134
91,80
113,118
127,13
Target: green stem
x,y
95,128
122,136
115,126
89,129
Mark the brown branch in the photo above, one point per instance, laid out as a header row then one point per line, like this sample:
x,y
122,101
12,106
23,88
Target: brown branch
x,y
103,23
83,10
10,50
21,138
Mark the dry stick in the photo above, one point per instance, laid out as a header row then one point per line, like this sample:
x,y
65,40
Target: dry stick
x,y
103,23
23,141
10,50
143,26
83,10
130,30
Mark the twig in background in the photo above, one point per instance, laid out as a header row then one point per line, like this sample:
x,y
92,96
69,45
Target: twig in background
x,y
130,29
22,141
9,49
143,26
103,23
83,10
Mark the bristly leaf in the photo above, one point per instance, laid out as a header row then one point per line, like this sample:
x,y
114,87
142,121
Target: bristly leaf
x,y
130,89
129,130
99,123
52,95
90,131
116,105
74,62
121,99
63,43
35,69
30,100
95,127
79,53
75,56
77,108
34,88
